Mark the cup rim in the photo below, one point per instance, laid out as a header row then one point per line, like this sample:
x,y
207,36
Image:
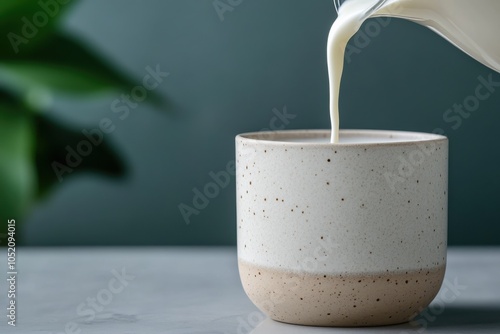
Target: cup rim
x,y
273,137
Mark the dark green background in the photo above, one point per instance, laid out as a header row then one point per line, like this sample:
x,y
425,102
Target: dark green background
x,y
226,78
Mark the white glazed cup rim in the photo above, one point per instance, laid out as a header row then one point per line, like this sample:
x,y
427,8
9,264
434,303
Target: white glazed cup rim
x,y
283,137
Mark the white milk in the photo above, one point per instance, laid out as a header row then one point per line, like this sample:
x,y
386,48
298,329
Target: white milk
x,y
470,25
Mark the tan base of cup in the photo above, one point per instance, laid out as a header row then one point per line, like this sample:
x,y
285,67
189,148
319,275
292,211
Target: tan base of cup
x,y
343,300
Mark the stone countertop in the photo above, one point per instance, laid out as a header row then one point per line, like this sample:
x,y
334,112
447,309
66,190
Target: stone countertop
x,y
197,290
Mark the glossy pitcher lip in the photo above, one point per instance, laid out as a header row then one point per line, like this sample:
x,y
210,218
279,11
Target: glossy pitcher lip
x,y
376,6
339,3
280,137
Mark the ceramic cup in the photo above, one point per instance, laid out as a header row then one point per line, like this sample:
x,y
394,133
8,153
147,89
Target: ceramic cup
x,y
347,234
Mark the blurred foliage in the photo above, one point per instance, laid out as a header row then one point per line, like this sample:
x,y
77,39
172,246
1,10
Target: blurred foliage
x,y
38,61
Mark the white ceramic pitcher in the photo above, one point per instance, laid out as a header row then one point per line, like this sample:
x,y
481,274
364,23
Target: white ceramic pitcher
x,y
472,26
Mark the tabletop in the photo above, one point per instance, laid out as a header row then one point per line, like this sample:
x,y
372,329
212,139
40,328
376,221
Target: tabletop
x,y
197,290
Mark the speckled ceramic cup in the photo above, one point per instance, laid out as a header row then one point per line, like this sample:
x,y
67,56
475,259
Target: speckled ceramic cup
x,y
347,234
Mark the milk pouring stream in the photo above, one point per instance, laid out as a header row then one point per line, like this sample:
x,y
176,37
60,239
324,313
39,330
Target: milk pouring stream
x,y
472,26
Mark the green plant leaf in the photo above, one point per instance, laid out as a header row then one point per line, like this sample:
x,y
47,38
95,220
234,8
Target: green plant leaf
x,y
36,84
22,7
26,23
63,66
33,80
17,172
55,141
71,52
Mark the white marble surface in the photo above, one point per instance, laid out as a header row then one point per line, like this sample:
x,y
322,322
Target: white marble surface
x,y
197,290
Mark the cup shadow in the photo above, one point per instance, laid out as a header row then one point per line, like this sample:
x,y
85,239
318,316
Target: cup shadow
x,y
453,319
